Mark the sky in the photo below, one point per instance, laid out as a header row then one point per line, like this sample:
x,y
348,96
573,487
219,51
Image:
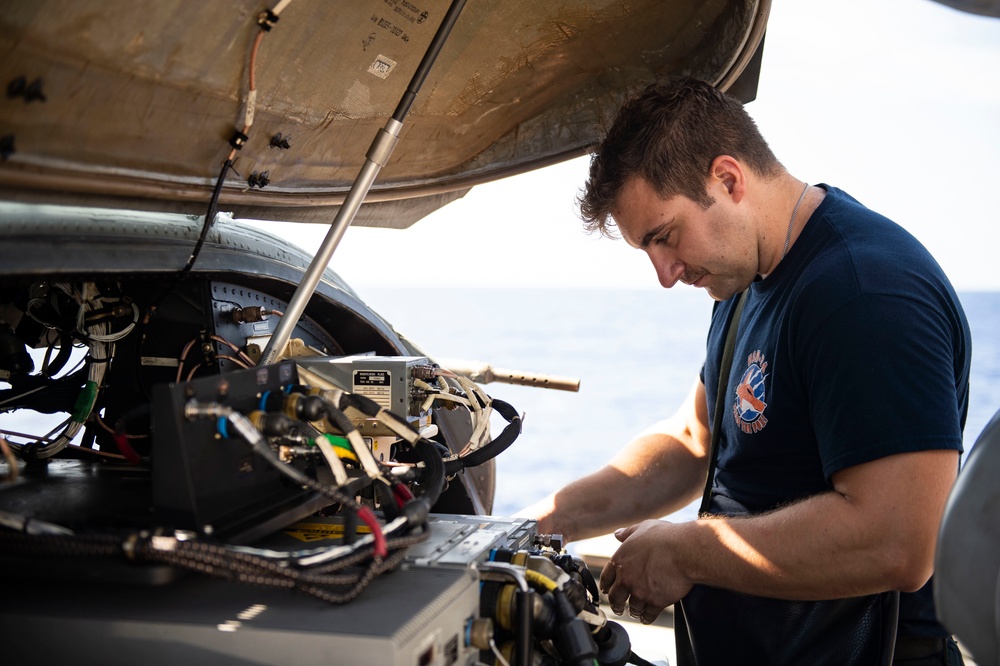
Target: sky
x,y
895,101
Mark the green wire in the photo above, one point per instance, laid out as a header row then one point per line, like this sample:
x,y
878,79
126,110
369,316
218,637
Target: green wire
x,y
336,441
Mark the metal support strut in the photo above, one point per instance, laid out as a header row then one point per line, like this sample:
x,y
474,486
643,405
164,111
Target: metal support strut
x,y
376,158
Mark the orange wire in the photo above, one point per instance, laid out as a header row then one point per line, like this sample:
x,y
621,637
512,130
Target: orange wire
x,y
253,59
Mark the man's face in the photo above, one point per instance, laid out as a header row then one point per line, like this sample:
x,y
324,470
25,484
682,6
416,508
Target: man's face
x,y
712,248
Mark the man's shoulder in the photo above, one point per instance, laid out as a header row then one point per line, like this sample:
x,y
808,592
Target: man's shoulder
x,y
857,251
862,230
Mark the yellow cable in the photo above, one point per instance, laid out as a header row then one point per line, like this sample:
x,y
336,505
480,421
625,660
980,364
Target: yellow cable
x,y
345,454
540,580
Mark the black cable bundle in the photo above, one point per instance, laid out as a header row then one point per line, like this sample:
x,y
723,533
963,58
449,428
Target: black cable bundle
x,y
43,394
434,468
499,444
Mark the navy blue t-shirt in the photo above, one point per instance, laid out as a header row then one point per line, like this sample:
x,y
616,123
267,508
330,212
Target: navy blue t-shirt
x,y
854,348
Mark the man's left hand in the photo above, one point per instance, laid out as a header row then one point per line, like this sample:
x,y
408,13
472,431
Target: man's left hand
x,y
643,573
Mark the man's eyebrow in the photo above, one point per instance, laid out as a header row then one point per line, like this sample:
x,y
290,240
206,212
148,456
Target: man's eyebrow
x,y
650,235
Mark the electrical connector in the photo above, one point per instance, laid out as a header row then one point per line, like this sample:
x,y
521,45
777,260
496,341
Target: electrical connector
x,y
238,139
266,20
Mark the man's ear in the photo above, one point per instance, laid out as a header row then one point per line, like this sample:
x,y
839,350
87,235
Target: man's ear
x,y
727,174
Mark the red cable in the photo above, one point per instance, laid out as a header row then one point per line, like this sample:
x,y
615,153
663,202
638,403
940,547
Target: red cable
x,y
368,518
402,494
253,60
126,449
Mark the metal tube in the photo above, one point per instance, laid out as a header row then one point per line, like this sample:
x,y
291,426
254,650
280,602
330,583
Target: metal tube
x,y
447,23
283,332
377,157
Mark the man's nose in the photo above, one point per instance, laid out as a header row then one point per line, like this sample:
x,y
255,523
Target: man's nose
x,y
668,270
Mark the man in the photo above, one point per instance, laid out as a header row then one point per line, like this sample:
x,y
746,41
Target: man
x,y
842,414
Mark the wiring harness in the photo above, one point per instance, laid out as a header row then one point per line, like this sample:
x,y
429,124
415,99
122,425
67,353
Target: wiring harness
x,y
544,608
265,21
70,314
311,437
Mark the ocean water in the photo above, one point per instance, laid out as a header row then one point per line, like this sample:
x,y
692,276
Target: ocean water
x,y
637,354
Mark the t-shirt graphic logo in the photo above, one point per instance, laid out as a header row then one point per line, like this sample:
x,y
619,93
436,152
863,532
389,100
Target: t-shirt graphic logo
x,y
748,409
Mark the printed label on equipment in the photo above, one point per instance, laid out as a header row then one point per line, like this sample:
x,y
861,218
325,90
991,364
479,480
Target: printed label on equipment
x,y
310,532
375,385
158,361
382,66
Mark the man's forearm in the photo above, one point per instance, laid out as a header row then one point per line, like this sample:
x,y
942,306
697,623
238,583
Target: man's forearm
x,y
591,506
658,472
818,548
875,531
653,476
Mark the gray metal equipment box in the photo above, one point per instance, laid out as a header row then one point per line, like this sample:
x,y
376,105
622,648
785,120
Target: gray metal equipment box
x,y
388,380
410,617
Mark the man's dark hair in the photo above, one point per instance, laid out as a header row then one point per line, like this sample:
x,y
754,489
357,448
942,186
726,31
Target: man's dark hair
x,y
669,133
